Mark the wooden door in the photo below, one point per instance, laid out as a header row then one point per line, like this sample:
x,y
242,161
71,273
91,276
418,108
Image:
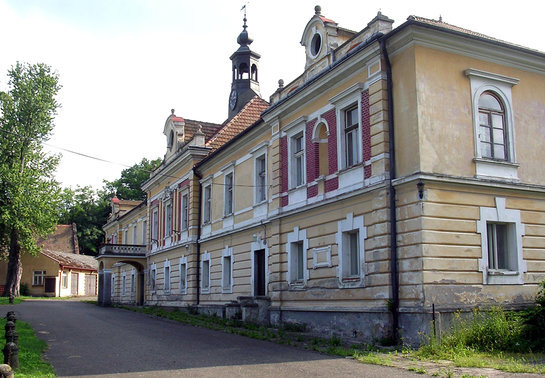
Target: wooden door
x,y
74,288
90,284
50,284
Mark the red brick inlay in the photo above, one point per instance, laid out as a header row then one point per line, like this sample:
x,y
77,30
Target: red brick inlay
x,y
332,184
311,153
312,191
331,118
366,130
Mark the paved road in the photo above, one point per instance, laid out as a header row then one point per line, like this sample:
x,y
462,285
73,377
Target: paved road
x,y
89,340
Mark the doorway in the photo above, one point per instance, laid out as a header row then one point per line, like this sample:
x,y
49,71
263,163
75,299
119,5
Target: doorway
x,y
74,286
259,272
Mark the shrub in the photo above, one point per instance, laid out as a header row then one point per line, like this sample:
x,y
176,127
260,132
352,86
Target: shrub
x,y
534,322
23,289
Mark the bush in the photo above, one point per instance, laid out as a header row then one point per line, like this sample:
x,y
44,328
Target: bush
x,y
534,322
23,289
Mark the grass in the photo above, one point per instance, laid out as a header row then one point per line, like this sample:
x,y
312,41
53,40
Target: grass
x,y
491,338
5,300
30,352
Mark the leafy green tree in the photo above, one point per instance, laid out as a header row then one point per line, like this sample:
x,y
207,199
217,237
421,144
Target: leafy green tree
x,y
129,185
89,210
29,194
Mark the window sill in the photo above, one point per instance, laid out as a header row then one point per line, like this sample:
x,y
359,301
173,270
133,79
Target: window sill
x,y
490,168
494,272
297,285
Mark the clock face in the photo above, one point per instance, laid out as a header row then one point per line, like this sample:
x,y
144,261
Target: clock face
x,y
233,99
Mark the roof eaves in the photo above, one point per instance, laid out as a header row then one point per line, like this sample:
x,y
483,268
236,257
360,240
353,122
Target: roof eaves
x,y
411,20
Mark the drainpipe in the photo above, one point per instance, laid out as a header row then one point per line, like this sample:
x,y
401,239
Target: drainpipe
x,y
198,242
392,193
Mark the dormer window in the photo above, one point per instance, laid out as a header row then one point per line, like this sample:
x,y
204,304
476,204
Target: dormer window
x,y
316,45
170,141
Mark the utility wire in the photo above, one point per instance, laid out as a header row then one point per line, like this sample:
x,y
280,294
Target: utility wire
x,y
121,164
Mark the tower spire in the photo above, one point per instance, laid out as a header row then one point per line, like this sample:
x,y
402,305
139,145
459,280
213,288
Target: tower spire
x,y
245,65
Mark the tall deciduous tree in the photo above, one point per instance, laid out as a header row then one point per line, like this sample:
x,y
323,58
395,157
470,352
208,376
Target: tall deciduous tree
x,y
29,194
89,210
129,185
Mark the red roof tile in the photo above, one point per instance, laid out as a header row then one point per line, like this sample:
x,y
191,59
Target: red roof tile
x,y
240,122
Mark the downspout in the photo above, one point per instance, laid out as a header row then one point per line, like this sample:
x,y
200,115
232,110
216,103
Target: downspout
x,y
198,241
392,193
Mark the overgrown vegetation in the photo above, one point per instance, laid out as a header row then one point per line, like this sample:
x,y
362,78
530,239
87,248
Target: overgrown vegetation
x,y
30,352
512,341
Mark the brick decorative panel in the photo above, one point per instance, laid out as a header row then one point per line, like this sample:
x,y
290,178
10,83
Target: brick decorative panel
x,y
331,119
184,183
366,130
285,201
312,191
367,171
311,152
332,184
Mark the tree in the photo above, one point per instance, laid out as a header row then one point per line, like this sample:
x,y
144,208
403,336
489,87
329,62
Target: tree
x,y
89,210
129,185
29,194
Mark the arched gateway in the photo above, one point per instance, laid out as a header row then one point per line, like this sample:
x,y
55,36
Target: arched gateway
x,y
112,254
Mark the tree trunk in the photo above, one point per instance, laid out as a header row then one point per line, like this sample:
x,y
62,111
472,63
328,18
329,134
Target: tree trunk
x,y
15,268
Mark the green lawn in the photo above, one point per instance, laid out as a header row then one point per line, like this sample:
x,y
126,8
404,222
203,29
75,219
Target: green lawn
x,y
30,352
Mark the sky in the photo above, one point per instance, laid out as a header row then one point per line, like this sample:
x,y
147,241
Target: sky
x,y
123,64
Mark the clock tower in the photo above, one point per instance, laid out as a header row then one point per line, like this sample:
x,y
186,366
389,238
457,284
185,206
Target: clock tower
x,y
245,66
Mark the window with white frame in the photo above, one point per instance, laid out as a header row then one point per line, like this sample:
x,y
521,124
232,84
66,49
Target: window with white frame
x,y
492,107
205,275
351,234
153,277
185,211
123,284
501,232
228,194
260,179
126,237
183,274
155,226
38,277
297,159
492,135
144,231
349,126
207,203
351,136
64,279
297,257
168,219
133,282
166,275
227,270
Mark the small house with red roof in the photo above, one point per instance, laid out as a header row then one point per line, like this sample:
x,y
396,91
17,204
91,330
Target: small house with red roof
x,y
59,270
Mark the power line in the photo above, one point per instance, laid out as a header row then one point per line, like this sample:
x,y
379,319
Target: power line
x,y
121,164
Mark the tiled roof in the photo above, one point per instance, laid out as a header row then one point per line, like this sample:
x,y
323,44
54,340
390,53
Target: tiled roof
x,y
439,23
191,127
240,122
64,239
71,260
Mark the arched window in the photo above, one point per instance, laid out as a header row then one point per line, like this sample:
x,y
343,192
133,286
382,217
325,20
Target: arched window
x,y
492,133
243,71
254,72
